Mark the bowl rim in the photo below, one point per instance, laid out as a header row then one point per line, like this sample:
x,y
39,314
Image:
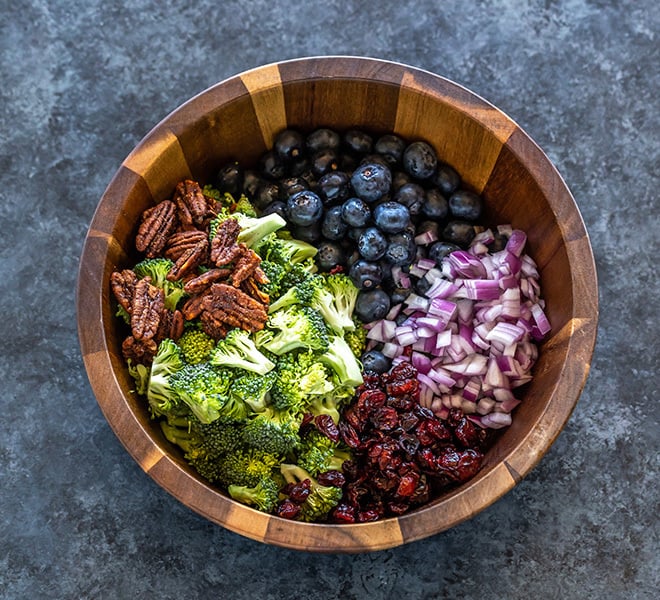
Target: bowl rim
x,y
463,502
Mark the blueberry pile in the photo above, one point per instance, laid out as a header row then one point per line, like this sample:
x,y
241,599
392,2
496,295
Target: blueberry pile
x,y
368,202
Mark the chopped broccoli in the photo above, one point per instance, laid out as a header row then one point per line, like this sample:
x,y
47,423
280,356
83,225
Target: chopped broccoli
x,y
273,431
212,192
264,495
123,314
254,389
205,390
357,338
140,373
253,229
246,467
157,270
196,346
275,274
244,206
317,453
167,363
285,251
333,296
321,500
293,327
342,361
238,350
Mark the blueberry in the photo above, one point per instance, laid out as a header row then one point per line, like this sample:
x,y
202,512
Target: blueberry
x,y
420,160
332,226
398,295
230,179
324,161
391,217
411,195
333,187
365,275
330,255
441,249
426,226
375,361
354,233
251,181
460,233
446,178
422,286
401,249
371,181
464,204
498,243
267,192
321,139
310,234
391,147
355,212
304,208
277,207
289,144
436,206
358,142
292,185
372,244
372,305
400,178
271,165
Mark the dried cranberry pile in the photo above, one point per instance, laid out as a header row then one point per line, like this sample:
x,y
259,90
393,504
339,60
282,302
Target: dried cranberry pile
x,y
403,454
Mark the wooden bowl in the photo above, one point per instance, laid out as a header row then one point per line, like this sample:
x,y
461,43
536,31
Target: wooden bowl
x,y
237,119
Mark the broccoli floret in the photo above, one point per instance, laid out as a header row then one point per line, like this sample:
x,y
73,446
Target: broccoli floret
x,y
317,453
196,346
275,274
123,314
140,373
356,338
205,390
167,363
273,431
293,327
244,206
246,467
342,361
333,297
285,251
264,495
212,192
254,389
157,269
238,350
321,500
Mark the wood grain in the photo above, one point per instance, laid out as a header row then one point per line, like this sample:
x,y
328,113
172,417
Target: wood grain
x,y
237,120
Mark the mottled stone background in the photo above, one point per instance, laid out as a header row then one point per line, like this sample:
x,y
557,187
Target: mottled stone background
x,y
82,82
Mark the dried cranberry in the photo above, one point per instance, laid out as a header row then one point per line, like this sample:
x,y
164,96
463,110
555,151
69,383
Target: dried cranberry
x,y
326,425
409,443
466,433
365,516
300,491
287,509
351,469
305,425
469,464
408,420
355,492
286,490
371,381
349,435
351,416
401,403
385,418
454,417
407,485
331,478
398,508
422,412
402,371
407,387
343,513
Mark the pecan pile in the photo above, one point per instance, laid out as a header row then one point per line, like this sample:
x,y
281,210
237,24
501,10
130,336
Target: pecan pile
x,y
221,277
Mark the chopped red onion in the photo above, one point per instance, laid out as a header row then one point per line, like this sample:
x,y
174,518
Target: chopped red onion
x,y
426,238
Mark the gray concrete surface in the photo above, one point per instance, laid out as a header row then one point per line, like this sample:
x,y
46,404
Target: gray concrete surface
x,y
82,82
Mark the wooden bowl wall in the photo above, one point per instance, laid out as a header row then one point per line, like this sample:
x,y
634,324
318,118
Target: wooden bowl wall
x,y
237,119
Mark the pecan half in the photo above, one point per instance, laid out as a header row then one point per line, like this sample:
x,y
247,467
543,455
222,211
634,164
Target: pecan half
x,y
123,287
234,307
170,326
183,241
192,206
139,351
148,305
246,264
198,284
158,223
250,287
223,245
189,260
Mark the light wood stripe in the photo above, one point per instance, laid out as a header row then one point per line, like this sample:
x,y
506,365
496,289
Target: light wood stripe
x,y
265,87
160,161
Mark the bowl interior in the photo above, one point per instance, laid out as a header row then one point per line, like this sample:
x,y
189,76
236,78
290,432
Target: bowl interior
x,y
237,120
